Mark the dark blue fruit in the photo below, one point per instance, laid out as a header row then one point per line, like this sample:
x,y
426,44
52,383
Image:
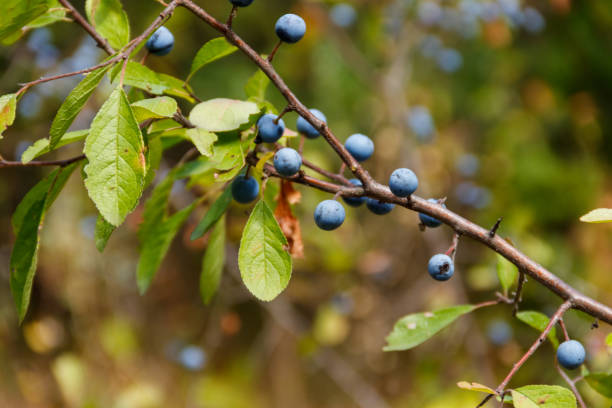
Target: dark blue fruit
x,y
379,207
355,201
161,42
245,189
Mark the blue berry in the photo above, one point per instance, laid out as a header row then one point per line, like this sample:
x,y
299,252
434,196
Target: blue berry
x,y
241,3
403,182
360,146
290,28
192,358
245,189
329,215
379,207
441,267
287,161
161,42
428,221
268,131
571,354
355,201
305,128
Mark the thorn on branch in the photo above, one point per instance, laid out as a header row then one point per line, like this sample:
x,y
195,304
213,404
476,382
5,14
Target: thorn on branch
x,y
518,294
493,230
595,324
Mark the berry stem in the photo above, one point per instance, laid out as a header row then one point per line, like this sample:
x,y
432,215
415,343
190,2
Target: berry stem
x,y
273,53
231,17
564,329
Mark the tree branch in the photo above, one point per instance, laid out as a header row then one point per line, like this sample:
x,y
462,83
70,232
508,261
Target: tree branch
x,y
102,42
60,163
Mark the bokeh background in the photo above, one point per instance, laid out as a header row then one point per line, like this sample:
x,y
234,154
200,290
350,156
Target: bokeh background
x,y
501,106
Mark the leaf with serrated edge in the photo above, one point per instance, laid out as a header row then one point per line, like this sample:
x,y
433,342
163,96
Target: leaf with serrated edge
x,y
116,169
538,321
110,20
41,146
160,107
543,396
213,214
213,262
265,264
17,13
202,140
26,223
222,115
598,216
8,105
73,104
472,386
103,231
213,50
414,329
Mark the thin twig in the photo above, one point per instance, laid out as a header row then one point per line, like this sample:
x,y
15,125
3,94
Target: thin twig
x,y
182,120
60,163
79,19
564,330
571,383
273,53
553,321
518,294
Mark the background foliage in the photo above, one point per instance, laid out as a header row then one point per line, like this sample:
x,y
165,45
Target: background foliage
x,y
519,129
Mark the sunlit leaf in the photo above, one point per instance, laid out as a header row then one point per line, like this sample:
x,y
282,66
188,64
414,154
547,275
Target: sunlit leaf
x,y
160,107
41,146
543,396
110,20
472,386
222,115
265,264
144,78
17,13
73,104
414,329
117,165
598,216
213,262
213,50
202,140
538,321
103,231
8,105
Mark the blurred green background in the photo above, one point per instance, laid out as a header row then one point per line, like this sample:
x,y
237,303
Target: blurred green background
x,y
501,106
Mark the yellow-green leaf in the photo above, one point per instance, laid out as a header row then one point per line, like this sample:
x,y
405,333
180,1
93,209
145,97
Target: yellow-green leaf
x,y
506,272
17,13
600,382
110,20
472,386
598,216
202,140
265,264
213,50
538,321
115,150
155,108
8,105
543,396
222,115
41,146
414,329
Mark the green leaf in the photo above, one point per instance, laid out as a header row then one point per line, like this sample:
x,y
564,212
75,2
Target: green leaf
x,y
54,14
141,77
154,155
222,115
214,213
414,329
8,107
598,216
213,262
543,396
17,13
50,187
609,340
539,321
506,272
27,221
161,107
41,146
257,85
265,264
213,50
73,104
202,140
110,20
156,245
475,387
117,165
104,229
600,382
